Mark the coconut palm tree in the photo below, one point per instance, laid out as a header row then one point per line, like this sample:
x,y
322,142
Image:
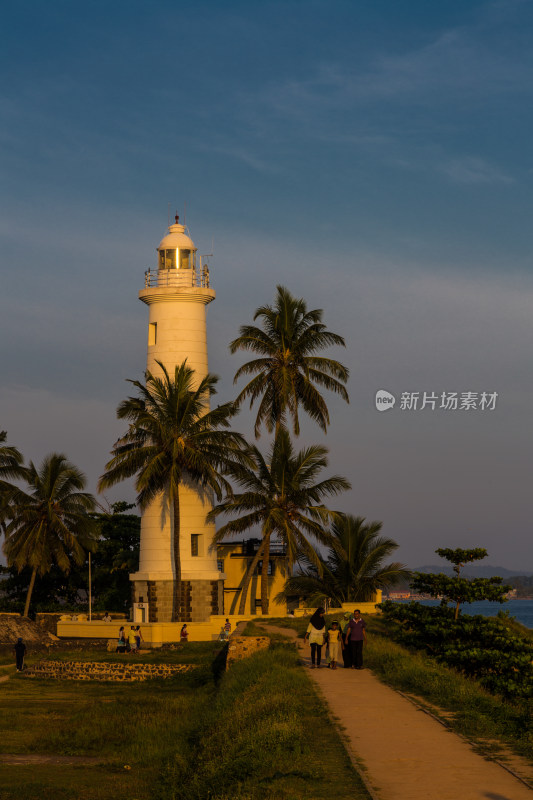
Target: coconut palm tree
x,y
353,569
288,370
172,437
283,497
10,467
50,521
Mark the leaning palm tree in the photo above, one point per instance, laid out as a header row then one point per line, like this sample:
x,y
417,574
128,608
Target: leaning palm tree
x,y
353,569
288,370
172,437
50,521
283,497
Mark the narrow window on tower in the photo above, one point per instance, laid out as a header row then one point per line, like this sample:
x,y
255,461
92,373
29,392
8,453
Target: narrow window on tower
x,y
152,334
195,544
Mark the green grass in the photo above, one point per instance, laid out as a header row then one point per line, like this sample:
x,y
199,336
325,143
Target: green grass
x,y
266,736
135,725
260,733
469,709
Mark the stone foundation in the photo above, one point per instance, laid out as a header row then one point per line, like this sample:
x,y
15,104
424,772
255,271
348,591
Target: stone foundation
x,y
98,671
244,646
199,599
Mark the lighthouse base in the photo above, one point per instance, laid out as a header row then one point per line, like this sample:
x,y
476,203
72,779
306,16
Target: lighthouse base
x,y
199,599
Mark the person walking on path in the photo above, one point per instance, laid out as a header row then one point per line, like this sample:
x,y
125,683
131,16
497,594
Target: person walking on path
x,y
315,635
346,649
356,637
20,652
334,644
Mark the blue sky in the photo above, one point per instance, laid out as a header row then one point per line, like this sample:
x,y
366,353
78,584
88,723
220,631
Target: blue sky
x,y
374,157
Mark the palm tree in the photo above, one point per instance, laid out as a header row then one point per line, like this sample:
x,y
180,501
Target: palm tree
x,y
353,569
171,437
10,467
283,497
288,369
50,522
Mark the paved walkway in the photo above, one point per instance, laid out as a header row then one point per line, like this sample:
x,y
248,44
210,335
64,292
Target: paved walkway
x,y
405,754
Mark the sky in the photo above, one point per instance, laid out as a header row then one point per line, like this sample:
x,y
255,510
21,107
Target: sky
x,y
372,156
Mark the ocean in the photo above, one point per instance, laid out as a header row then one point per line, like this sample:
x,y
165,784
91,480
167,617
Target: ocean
x,y
521,610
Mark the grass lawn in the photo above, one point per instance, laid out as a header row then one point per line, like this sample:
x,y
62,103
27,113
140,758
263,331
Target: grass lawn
x,y
261,732
125,725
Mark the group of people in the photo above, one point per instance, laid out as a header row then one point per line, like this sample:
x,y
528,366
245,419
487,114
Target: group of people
x,y
344,640
129,642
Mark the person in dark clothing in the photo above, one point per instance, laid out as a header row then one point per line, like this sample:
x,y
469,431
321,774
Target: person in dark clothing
x,y
315,635
346,649
20,652
355,637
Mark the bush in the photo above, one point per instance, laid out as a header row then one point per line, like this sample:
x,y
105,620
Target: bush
x,y
481,647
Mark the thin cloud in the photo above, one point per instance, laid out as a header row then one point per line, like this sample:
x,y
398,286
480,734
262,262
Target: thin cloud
x,y
473,170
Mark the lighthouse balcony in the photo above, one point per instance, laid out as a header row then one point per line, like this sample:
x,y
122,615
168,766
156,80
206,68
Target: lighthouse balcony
x,y
177,278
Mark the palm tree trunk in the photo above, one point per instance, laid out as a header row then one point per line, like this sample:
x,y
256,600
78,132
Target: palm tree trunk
x,y
176,612
30,590
248,578
264,575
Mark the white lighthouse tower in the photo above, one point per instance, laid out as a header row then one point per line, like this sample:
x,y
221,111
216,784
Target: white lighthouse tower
x,y
177,294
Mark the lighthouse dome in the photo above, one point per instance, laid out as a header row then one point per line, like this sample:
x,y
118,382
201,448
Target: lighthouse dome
x,y
176,249
176,237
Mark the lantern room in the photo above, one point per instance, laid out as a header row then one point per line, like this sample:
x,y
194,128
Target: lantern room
x,y
176,250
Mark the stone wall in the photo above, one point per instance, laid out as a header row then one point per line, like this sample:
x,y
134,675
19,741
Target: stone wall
x,y
244,646
99,671
199,599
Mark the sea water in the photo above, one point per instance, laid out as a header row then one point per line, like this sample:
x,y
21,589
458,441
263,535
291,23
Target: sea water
x,y
521,610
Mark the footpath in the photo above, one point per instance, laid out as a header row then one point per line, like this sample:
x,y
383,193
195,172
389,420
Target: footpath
x,y
403,752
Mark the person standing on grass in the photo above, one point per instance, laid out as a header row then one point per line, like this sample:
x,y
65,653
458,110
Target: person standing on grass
x,y
184,634
315,636
227,628
121,643
20,652
138,638
355,638
132,640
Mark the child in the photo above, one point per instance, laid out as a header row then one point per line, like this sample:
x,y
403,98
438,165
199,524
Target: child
x,y
334,642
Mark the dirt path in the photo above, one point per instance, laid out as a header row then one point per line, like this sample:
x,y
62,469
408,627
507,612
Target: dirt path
x,y
405,754
35,758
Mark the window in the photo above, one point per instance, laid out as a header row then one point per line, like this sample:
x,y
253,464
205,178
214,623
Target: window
x,y
270,570
195,544
184,259
220,564
152,334
167,259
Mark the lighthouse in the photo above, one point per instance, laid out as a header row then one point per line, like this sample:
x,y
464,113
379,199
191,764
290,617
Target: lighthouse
x,y
177,293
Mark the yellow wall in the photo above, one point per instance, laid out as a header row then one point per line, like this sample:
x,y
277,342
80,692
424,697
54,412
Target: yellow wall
x,y
235,566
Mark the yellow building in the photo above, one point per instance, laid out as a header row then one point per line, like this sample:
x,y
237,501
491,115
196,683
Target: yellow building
x,y
234,558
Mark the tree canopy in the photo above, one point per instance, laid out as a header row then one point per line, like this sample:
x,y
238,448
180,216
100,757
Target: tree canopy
x,y
288,369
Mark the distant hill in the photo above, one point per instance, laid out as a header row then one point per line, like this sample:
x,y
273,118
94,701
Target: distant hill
x,y
476,572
